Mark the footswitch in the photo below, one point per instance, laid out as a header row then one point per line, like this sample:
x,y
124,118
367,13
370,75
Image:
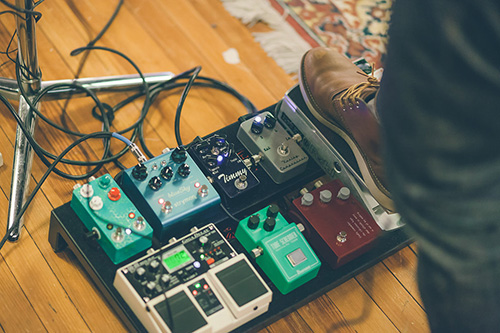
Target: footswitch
x,y
337,225
281,156
169,189
216,156
195,284
112,219
279,248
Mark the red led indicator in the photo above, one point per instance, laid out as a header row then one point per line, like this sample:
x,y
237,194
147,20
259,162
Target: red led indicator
x,y
196,184
131,215
205,286
161,201
195,292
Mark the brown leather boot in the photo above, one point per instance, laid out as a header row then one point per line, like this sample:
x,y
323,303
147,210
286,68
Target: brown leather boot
x,y
336,92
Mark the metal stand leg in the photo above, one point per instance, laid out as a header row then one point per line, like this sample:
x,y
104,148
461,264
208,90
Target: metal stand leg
x,y
31,83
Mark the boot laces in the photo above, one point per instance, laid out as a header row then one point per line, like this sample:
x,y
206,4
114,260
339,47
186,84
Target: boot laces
x,y
354,92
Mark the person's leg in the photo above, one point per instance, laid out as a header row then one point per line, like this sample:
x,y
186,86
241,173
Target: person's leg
x,y
440,118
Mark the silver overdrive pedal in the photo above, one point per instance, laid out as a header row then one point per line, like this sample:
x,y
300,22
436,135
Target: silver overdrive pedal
x,y
281,157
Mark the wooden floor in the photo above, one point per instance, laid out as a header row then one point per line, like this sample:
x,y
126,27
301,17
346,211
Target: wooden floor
x,y
44,291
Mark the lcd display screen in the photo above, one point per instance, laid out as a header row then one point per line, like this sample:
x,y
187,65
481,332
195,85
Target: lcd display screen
x,y
176,258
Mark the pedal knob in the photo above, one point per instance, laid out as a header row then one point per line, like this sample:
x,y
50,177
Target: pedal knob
x,y
165,280
273,211
140,273
253,222
96,203
257,125
307,199
150,287
220,142
114,194
184,170
269,224
105,181
167,173
179,155
153,266
344,193
155,183
270,121
203,240
86,191
140,172
325,196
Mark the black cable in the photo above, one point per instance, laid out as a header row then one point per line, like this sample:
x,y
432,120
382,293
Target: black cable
x,y
44,177
177,122
36,15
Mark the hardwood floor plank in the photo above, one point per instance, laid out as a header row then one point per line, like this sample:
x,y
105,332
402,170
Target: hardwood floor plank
x,y
322,315
15,308
359,310
393,299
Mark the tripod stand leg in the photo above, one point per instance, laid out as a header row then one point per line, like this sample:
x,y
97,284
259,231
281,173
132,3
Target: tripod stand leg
x,y
21,173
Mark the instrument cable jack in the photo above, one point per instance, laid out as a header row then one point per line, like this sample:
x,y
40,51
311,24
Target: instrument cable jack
x,y
252,160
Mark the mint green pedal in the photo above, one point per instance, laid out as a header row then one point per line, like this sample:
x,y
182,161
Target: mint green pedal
x,y
112,218
279,248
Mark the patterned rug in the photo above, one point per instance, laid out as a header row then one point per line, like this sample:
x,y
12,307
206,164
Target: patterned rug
x,y
357,28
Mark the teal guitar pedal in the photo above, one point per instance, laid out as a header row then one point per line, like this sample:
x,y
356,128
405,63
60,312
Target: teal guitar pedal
x,y
112,218
279,248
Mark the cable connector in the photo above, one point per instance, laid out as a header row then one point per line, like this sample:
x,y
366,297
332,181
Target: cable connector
x,y
252,160
134,149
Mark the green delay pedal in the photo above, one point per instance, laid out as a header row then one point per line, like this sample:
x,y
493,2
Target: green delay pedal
x,y
111,219
279,248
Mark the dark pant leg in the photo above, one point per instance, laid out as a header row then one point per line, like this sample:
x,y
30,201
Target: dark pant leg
x,y
440,117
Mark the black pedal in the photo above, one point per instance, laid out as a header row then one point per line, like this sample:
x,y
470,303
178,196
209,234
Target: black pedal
x,y
225,169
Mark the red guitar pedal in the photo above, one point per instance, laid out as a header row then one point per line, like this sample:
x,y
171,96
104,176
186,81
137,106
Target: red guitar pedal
x,y
337,226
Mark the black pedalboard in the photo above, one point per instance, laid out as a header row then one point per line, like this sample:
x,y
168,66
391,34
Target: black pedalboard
x,y
200,266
